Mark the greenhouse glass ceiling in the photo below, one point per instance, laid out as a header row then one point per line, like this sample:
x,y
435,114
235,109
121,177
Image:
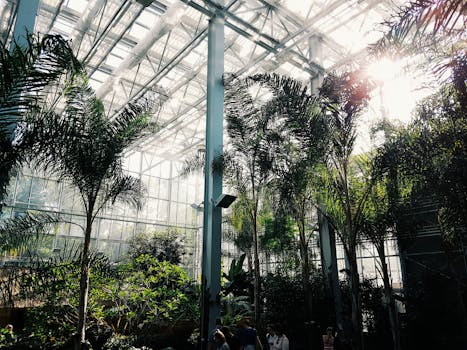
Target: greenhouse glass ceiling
x,y
135,48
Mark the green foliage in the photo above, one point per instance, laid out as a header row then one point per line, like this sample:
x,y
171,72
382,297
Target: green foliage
x,y
25,72
165,246
430,155
145,294
23,231
421,23
52,283
82,146
54,280
285,302
234,308
140,296
279,234
7,338
238,281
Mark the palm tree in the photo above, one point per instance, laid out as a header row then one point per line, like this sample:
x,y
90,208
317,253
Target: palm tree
x,y
344,190
421,22
248,161
25,73
302,148
379,223
84,148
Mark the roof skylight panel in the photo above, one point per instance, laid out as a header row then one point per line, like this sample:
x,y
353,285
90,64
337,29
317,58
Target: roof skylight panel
x,y
299,8
138,31
118,53
77,5
97,78
63,26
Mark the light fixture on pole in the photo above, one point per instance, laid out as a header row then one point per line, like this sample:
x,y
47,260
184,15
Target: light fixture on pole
x,y
224,200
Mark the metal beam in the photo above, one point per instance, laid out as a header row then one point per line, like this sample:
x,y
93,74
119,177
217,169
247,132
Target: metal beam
x,y
212,221
25,20
165,23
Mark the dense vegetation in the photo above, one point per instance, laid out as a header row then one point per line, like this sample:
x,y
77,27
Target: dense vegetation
x,y
290,154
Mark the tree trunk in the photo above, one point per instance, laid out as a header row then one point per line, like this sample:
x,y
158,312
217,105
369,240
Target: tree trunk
x,y
306,271
257,278
389,301
357,335
306,277
84,282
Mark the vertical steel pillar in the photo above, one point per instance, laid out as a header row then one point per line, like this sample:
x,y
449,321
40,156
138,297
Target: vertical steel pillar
x,y
25,20
211,262
327,240
316,56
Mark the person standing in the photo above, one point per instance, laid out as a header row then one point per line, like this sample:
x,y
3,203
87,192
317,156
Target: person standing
x,y
328,340
220,342
271,337
282,342
211,343
248,336
232,339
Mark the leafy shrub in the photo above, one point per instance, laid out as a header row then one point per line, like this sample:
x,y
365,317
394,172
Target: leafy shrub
x,y
141,295
146,294
165,246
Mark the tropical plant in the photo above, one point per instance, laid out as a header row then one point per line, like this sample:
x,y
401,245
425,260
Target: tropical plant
x,y
378,224
238,281
301,149
285,302
249,158
344,185
165,246
279,241
85,148
431,152
146,295
234,308
427,160
25,73
421,22
49,285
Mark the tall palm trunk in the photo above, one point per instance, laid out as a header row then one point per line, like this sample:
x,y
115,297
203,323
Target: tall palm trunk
x,y
389,300
257,275
357,335
305,269
84,280
300,219
306,275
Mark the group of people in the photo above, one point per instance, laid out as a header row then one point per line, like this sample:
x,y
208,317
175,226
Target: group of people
x,y
246,338
222,338
276,338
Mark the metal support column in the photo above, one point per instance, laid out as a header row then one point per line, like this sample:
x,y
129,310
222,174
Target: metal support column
x,y
316,56
25,20
211,260
327,243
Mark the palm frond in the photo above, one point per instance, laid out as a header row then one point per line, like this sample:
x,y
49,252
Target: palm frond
x,y
25,72
422,21
124,188
194,163
18,231
133,120
24,75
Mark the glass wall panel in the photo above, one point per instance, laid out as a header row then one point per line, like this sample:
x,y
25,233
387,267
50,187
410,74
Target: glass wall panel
x,y
164,189
116,230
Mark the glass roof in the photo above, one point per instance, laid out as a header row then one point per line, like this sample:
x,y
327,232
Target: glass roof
x,y
132,48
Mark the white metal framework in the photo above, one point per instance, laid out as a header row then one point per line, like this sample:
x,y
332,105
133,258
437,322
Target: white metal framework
x,y
137,47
